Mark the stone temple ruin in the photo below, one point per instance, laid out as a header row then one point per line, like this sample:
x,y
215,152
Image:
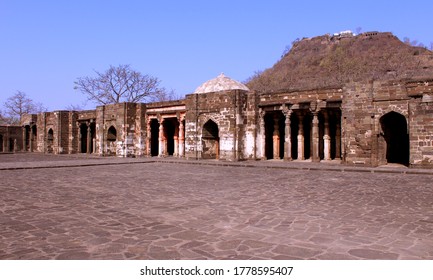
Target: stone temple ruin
x,y
363,123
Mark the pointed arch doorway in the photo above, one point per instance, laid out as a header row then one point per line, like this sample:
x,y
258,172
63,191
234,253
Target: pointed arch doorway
x,y
396,137
111,141
210,140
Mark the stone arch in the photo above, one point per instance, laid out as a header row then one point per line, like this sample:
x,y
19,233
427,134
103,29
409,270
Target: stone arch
x,y
395,109
210,140
112,134
395,139
206,119
111,140
50,140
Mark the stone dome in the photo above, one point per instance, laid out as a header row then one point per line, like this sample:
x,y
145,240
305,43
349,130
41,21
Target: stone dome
x,y
220,83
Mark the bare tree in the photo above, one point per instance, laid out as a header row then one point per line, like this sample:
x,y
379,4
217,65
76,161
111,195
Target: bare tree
x,y
19,104
74,107
3,120
164,95
258,81
119,84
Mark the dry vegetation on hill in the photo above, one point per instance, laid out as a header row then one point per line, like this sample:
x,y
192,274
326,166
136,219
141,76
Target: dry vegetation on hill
x,y
330,61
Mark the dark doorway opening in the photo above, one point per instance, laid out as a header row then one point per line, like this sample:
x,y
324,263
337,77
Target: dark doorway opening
x,y
27,138
334,121
11,145
112,134
50,141
169,131
307,135
394,127
87,147
282,133
34,138
154,132
83,133
210,140
269,132
111,140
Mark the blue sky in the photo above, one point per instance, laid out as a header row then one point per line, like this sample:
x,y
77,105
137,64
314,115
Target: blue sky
x,y
47,45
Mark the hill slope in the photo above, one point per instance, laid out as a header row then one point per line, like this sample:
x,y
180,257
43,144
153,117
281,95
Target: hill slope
x,y
328,61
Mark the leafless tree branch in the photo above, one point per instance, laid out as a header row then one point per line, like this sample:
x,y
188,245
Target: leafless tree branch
x,y
119,84
18,105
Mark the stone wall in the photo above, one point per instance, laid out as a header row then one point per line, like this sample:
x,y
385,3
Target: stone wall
x,y
300,96
364,107
421,123
122,118
228,110
251,126
71,135
11,139
376,119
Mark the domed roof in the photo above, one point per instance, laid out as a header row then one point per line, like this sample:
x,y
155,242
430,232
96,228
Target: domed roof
x,y
220,83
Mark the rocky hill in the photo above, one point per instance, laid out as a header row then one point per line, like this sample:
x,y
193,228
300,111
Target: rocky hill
x,y
332,60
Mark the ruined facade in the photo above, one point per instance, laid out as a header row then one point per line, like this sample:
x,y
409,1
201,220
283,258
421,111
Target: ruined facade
x,y
361,123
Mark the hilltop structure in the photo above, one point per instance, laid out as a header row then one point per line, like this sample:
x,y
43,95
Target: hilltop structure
x,y
287,113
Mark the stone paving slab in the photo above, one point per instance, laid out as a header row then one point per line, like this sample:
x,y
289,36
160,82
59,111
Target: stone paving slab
x,y
192,211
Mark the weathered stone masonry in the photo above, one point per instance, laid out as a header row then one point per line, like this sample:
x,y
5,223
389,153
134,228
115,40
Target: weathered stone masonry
x,y
370,124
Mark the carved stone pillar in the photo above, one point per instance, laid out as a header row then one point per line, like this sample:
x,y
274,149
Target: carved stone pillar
x,y
301,137
88,139
276,139
315,136
181,138
288,136
262,135
176,146
31,139
161,138
148,138
24,149
80,138
326,139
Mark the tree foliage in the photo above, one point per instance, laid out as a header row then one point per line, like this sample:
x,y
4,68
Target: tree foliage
x,y
119,84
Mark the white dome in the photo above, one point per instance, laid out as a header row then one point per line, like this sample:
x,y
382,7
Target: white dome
x,y
220,83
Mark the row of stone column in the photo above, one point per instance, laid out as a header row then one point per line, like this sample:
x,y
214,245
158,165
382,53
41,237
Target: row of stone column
x,y
178,138
300,137
89,139
30,140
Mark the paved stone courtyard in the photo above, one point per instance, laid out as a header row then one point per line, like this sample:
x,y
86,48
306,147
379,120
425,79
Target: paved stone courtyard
x,y
162,210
